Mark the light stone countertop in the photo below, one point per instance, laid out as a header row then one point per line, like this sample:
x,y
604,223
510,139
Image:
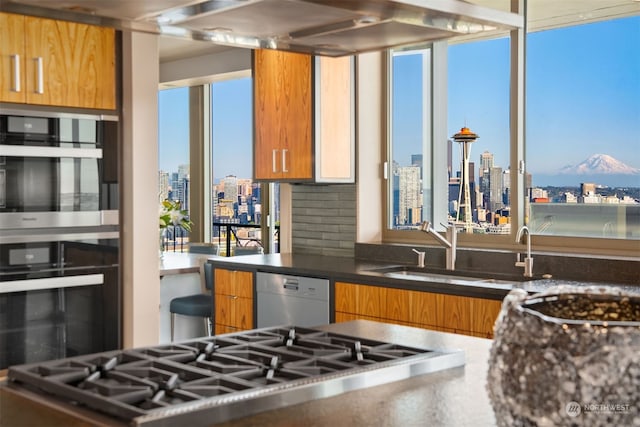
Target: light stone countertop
x,y
182,262
450,398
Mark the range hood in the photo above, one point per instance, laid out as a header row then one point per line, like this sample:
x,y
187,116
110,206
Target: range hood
x,y
320,27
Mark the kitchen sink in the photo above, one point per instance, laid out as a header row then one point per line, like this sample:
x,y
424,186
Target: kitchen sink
x,y
451,276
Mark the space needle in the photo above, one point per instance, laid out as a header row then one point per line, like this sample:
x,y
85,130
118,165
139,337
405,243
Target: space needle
x,y
465,137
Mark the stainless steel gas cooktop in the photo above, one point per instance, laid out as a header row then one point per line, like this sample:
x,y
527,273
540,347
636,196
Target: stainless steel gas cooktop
x,y
215,379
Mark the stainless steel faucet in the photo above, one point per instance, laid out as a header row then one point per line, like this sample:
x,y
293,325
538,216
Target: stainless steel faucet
x,y
421,256
450,242
528,261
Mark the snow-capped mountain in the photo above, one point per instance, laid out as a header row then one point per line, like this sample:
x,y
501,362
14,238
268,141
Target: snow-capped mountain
x,y
600,164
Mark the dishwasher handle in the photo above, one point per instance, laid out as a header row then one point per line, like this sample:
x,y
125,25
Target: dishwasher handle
x,y
290,284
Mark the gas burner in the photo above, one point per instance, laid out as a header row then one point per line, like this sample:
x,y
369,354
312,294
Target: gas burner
x,y
203,377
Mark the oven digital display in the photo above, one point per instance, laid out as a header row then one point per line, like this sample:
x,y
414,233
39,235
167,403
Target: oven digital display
x,y
26,256
18,124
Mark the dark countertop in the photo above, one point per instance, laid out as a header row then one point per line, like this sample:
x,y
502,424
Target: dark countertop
x,y
452,397
373,272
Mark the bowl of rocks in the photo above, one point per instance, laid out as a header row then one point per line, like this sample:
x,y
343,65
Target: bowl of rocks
x,y
567,356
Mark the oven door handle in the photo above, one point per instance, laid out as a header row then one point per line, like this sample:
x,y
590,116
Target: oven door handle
x,y
51,283
34,151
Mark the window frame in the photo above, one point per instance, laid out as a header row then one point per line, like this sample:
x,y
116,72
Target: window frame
x,y
517,152
201,150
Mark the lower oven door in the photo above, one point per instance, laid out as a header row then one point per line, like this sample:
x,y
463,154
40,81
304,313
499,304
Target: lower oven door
x,y
58,316
55,317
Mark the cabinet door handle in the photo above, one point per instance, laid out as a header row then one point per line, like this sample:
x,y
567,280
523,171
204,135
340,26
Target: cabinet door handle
x,y
284,160
39,75
233,296
16,73
274,153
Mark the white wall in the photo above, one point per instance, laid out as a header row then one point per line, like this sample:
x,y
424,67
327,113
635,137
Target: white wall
x,y
139,213
206,68
370,140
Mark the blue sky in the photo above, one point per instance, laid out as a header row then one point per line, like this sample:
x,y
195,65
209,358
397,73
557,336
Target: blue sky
x,y
582,98
231,128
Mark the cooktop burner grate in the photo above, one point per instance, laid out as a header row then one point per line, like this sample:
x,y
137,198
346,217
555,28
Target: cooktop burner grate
x,y
203,376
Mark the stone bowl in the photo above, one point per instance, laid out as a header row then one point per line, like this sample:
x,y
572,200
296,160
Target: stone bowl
x,y
567,356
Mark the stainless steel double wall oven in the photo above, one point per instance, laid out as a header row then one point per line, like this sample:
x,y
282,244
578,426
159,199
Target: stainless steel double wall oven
x,y
59,229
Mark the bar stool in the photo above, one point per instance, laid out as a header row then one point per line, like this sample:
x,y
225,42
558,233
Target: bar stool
x,y
199,305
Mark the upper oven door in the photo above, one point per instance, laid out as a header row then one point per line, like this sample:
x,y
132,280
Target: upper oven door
x,y
58,171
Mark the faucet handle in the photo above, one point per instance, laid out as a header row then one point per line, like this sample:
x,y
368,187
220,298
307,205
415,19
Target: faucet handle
x,y
421,257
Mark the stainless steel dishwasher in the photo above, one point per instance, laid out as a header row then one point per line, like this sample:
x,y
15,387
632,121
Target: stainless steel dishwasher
x,y
291,300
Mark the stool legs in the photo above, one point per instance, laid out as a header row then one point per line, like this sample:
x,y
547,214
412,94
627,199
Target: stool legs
x,y
208,327
173,322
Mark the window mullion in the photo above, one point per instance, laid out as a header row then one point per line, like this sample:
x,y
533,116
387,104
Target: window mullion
x,y
439,164
518,198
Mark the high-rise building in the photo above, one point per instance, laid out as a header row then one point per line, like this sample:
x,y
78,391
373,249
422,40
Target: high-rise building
x,y
410,200
506,187
495,189
486,163
395,167
163,185
416,160
230,188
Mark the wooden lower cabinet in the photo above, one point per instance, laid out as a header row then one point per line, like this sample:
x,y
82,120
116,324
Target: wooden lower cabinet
x,y
484,313
440,312
233,300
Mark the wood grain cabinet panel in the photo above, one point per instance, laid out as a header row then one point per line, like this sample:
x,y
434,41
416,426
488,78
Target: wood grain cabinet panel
x,y
359,299
467,315
345,297
454,312
304,117
233,303
423,308
441,312
12,58
282,115
65,64
484,313
398,305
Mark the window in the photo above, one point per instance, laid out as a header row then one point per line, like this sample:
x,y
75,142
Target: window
x,y
410,140
477,99
173,156
236,206
582,147
581,109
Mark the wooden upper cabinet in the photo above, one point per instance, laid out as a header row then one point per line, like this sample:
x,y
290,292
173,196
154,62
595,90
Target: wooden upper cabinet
x,y
61,63
303,117
12,85
335,119
282,115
